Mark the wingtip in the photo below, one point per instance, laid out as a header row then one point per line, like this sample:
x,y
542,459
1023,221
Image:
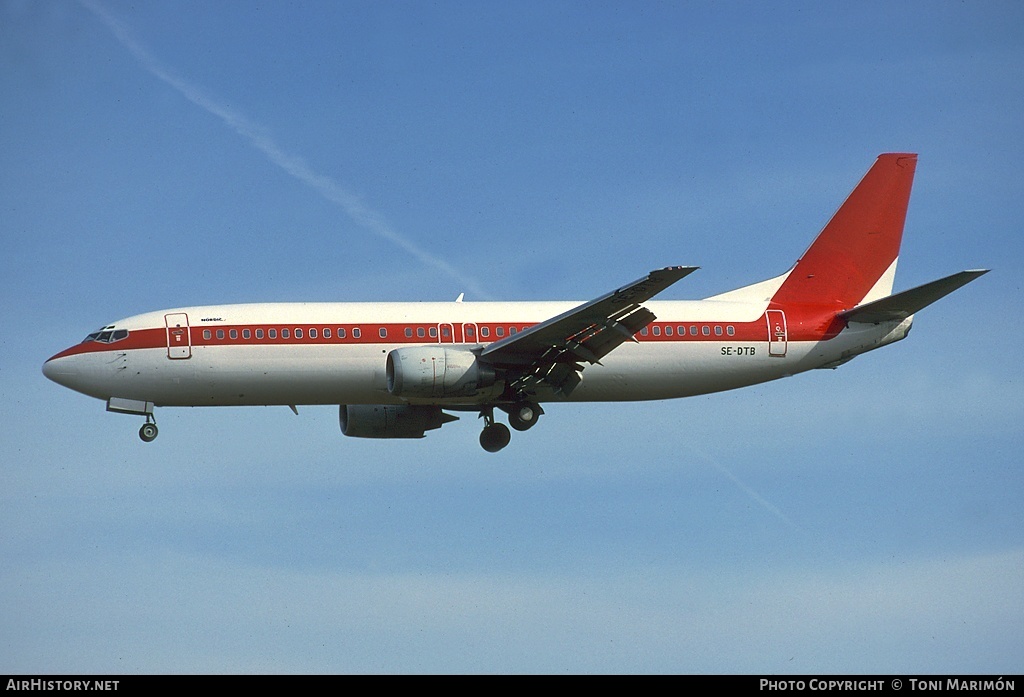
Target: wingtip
x,y
681,270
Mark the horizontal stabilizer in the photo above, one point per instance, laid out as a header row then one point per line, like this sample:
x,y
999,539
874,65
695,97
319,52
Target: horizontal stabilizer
x,y
903,305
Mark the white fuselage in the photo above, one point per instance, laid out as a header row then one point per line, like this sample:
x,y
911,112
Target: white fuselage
x,y
335,353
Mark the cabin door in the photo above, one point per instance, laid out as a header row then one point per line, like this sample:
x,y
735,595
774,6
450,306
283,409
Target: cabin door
x,y
778,337
445,333
470,333
179,339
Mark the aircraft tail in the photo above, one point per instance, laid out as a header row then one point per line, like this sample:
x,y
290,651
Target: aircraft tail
x,y
853,259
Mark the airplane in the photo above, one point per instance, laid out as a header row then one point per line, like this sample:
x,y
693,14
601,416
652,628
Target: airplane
x,y
397,369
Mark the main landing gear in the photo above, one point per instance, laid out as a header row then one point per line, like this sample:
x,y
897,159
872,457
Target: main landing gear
x,y
496,436
524,415
148,432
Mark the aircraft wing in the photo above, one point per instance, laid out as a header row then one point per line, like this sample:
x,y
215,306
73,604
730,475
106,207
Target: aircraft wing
x,y
549,355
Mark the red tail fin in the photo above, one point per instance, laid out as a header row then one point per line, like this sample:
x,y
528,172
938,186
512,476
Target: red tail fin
x,y
859,245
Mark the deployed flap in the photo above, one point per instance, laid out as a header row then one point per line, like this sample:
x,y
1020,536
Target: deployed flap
x,y
550,354
597,326
903,305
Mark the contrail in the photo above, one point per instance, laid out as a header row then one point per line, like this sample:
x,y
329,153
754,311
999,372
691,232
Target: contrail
x,y
294,165
768,506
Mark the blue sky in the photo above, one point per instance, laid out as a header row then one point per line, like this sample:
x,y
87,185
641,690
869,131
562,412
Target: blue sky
x,y
164,154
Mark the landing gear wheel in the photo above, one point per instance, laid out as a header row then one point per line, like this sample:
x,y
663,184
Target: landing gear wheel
x,y
524,415
494,437
148,432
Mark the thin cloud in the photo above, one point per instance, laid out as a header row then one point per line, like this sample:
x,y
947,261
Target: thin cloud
x,y
294,165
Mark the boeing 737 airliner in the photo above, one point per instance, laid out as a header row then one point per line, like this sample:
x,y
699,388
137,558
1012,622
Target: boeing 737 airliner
x,y
395,368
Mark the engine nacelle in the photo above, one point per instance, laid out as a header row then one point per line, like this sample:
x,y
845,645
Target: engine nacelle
x,y
435,372
390,420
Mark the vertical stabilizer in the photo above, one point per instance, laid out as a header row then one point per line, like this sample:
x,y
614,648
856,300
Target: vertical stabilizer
x,y
853,259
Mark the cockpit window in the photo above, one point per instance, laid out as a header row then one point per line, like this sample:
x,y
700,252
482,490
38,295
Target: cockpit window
x,y
107,336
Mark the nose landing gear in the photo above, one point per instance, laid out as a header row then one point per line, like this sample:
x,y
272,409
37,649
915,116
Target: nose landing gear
x,y
149,431
122,405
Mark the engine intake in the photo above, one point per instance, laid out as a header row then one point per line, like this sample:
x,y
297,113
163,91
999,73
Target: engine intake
x,y
390,420
436,372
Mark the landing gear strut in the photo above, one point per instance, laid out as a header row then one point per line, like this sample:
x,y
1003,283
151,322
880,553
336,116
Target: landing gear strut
x,y
495,436
148,432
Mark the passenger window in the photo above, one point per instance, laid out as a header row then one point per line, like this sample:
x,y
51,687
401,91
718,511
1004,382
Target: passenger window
x,y
220,333
485,332
207,334
246,334
355,332
259,333
643,332
730,330
511,331
272,333
656,330
420,332
327,332
233,333
286,333
408,332
470,333
668,331
693,330
341,332
298,333
500,331
706,331
433,332
383,333
312,333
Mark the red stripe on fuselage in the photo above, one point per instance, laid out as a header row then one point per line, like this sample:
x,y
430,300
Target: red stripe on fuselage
x,y
804,324
136,339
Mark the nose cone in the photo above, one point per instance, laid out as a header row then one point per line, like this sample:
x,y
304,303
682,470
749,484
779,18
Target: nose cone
x,y
84,369
78,371
62,370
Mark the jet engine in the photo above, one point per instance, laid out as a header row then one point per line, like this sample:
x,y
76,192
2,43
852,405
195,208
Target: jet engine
x,y
390,420
436,372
